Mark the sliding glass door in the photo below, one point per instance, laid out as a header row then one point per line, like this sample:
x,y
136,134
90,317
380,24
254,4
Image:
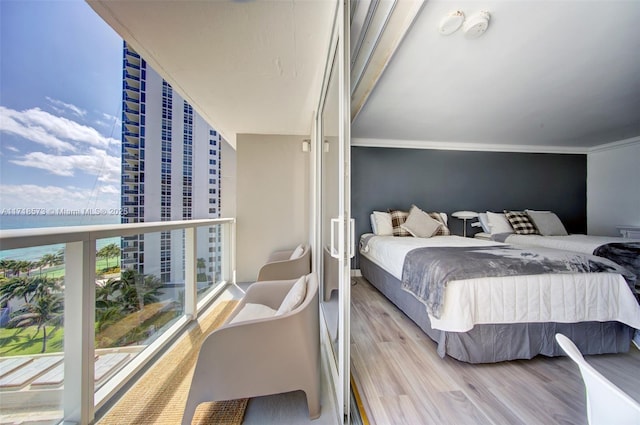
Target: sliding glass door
x,y
334,242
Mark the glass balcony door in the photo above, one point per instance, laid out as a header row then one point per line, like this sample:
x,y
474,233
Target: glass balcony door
x,y
334,242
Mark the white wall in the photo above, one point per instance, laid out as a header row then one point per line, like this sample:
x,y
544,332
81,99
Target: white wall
x,y
613,188
272,198
228,185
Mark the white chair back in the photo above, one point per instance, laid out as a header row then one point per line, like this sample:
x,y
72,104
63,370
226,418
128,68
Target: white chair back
x,y
606,403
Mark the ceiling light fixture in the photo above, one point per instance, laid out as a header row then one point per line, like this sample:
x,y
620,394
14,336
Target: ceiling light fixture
x,y
450,23
476,25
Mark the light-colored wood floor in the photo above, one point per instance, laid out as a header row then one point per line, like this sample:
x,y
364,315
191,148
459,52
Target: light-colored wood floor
x,y
402,380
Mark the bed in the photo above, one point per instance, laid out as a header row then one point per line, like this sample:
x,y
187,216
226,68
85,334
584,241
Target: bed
x,y
550,233
474,324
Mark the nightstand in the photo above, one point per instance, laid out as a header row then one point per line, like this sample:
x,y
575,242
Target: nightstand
x,y
629,231
464,216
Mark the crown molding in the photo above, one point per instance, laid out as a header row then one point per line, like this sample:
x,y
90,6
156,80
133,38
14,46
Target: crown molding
x,y
615,145
465,146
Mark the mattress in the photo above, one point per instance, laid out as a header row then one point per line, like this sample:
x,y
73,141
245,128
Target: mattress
x,y
577,243
500,342
560,298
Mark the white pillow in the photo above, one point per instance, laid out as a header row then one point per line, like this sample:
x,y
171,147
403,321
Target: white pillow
x,y
252,311
372,218
498,223
383,226
294,298
296,252
484,222
547,223
420,224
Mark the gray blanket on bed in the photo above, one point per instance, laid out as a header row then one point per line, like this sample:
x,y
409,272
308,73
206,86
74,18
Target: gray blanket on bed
x,y
426,271
627,254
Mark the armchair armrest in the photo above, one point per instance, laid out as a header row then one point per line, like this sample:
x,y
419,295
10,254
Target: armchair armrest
x,y
269,293
286,268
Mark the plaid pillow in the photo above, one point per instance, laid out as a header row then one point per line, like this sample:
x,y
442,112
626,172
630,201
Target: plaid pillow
x,y
521,222
443,230
397,219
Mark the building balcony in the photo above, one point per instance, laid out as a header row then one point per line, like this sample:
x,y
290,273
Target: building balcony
x,y
97,341
129,62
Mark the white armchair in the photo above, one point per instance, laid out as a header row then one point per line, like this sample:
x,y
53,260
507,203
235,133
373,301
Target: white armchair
x,y
606,403
287,264
262,356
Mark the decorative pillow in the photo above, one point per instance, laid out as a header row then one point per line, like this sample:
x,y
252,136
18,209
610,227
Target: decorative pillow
x,y
252,311
420,224
521,223
547,223
442,218
383,225
397,220
498,223
294,298
373,223
297,252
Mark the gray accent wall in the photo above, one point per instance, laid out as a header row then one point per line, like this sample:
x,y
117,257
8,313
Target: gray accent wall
x,y
448,181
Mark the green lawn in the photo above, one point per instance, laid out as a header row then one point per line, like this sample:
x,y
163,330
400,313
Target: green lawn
x,y
20,341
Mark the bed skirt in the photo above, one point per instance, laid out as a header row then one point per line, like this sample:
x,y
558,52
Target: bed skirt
x,y
492,343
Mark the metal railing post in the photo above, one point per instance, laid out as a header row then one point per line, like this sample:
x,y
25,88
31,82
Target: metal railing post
x,y
190,273
79,331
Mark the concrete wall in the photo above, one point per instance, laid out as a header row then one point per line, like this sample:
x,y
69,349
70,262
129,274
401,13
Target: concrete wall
x,y
272,198
613,189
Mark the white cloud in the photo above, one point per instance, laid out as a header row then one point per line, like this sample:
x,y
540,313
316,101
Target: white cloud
x,y
61,106
10,123
48,197
96,162
12,148
51,131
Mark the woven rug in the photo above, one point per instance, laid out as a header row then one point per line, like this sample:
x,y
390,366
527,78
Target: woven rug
x,y
160,394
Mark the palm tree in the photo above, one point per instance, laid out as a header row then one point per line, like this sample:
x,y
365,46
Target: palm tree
x,y
108,251
19,287
49,260
6,266
201,264
44,308
131,292
16,267
59,257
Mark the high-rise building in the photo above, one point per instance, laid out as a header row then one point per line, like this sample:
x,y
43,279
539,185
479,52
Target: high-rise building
x,y
163,178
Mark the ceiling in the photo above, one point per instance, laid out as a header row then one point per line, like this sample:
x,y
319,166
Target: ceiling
x,y
246,66
545,74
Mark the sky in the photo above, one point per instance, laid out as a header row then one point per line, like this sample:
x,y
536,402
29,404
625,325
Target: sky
x,y
60,107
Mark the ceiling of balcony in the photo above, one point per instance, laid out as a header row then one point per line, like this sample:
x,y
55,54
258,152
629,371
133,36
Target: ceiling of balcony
x,y
245,66
552,73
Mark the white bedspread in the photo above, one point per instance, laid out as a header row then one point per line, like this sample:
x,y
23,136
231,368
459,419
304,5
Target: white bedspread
x,y
577,243
563,298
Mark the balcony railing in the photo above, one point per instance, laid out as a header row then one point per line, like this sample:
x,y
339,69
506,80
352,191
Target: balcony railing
x,y
81,365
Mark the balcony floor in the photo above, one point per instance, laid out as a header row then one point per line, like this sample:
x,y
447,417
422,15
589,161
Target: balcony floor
x,y
287,408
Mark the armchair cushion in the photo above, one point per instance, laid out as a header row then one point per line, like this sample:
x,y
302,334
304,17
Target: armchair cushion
x,y
253,311
294,297
297,252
